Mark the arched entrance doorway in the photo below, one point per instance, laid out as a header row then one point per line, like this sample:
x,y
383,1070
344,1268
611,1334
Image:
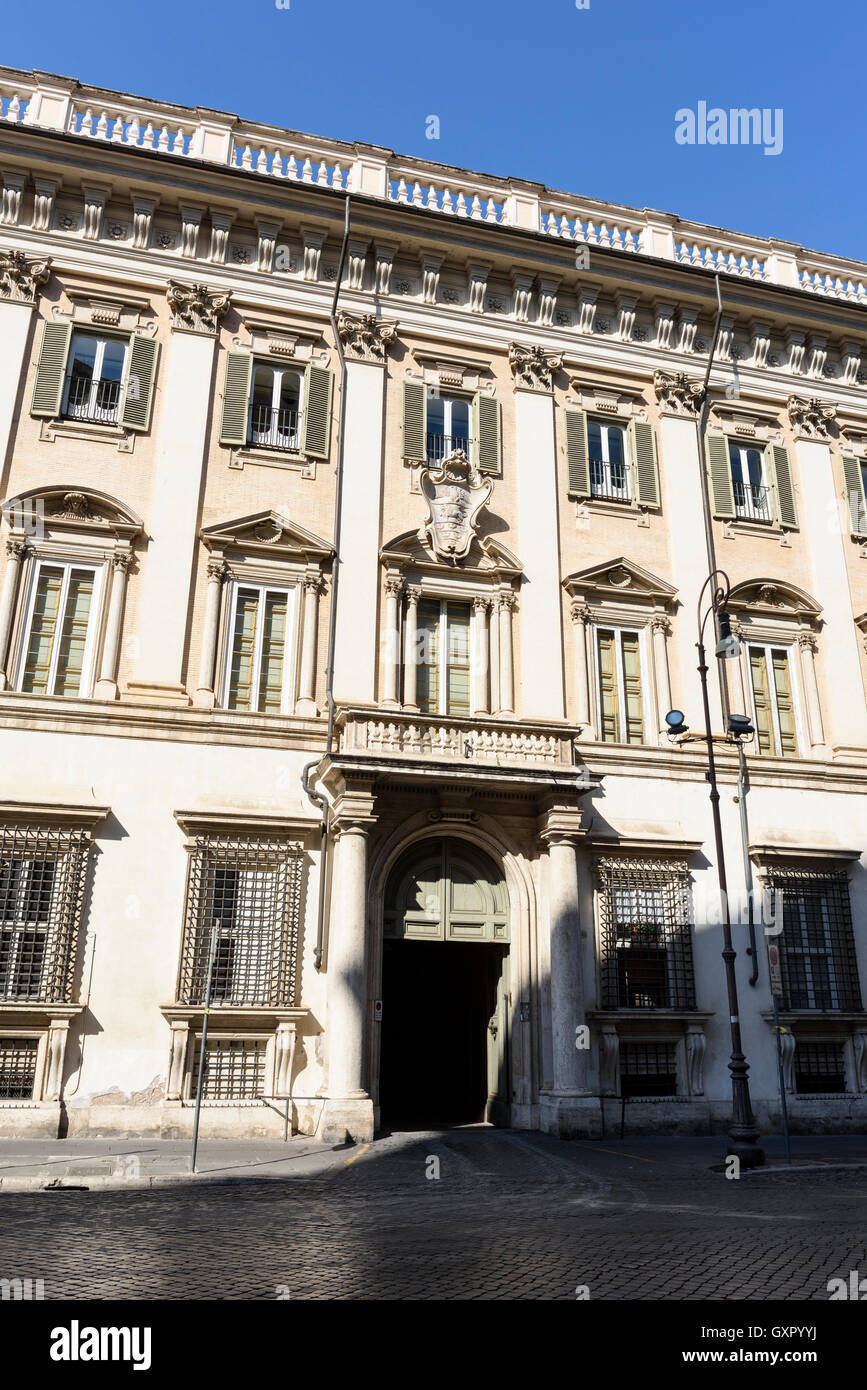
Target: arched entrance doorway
x,y
444,1047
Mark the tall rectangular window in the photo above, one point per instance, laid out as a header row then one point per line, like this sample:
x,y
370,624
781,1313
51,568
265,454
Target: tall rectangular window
x,y
18,1067
609,470
621,718
448,426
275,407
243,900
751,493
58,640
646,935
259,649
773,701
443,674
41,887
817,945
93,378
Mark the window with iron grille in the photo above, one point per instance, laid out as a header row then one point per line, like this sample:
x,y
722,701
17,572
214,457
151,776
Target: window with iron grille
x,y
234,1068
817,944
819,1067
244,894
648,1069
42,874
17,1068
646,935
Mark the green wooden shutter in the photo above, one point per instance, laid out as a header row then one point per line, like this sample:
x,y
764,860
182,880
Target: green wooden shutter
x,y
778,458
642,448
137,397
609,717
630,655
236,398
414,420
577,453
762,701
855,494
427,693
486,432
458,659
316,431
785,704
51,368
720,470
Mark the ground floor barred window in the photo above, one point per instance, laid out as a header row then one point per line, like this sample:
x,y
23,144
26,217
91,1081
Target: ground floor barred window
x,y
234,1069
817,944
819,1068
646,947
18,1068
648,1069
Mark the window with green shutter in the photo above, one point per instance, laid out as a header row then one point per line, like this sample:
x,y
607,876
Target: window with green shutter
x,y
414,421
51,369
258,666
642,448
773,701
443,657
316,430
779,464
577,453
487,432
138,387
621,715
855,479
234,423
58,641
720,474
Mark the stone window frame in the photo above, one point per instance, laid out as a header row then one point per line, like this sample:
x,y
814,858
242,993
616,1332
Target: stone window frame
x,y
777,614
279,1026
68,526
49,1023
848,1027
751,427
615,402
643,605
686,1028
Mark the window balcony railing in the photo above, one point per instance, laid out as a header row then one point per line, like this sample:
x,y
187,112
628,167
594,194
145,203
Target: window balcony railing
x,y
609,481
440,446
477,739
274,428
752,501
96,401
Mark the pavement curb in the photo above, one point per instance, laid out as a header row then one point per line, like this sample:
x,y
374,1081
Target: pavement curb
x,y
97,1183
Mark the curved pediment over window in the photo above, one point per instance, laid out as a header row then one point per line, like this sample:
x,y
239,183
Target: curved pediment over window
x,y
620,579
72,509
773,598
489,556
269,533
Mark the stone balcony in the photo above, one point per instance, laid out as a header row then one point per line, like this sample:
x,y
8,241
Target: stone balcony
x,y
431,738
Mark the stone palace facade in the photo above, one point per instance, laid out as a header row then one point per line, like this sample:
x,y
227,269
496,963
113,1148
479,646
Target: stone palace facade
x,y
351,557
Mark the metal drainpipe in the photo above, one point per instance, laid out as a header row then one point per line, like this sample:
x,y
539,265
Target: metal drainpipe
x,y
317,797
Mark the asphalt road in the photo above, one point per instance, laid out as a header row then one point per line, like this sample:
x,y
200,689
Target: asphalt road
x,y
468,1213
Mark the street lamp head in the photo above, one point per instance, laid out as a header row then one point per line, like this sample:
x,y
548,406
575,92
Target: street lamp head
x,y
739,726
676,723
727,645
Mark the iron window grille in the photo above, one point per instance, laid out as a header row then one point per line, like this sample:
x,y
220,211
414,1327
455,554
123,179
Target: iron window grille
x,y
234,1068
819,1068
646,935
817,943
246,893
18,1068
648,1069
42,875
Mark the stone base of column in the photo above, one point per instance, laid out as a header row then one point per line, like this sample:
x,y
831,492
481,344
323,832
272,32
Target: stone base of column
x,y
570,1116
306,709
106,690
347,1119
204,699
157,693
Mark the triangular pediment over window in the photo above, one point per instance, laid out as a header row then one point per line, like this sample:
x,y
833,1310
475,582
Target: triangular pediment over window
x,y
487,555
269,532
620,578
774,597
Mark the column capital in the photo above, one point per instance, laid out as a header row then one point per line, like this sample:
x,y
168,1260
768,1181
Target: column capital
x,y
196,308
217,569
121,560
15,547
394,585
807,642
365,337
21,275
811,418
580,611
660,623
560,823
481,603
413,594
533,367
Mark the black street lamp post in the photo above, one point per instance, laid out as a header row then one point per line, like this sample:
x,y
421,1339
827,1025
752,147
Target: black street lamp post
x,y
743,1133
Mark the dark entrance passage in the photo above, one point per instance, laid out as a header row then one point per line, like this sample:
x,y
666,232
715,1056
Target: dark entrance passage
x,y
441,1018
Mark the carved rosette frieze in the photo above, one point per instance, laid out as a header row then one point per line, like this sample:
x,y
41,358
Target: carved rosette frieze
x,y
533,367
678,393
811,418
365,337
196,308
21,276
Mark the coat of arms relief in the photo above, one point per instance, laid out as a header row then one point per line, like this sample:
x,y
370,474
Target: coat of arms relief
x,y
455,492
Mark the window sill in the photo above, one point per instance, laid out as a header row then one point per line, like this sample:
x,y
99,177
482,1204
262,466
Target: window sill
x,y
639,512
93,432
732,527
260,455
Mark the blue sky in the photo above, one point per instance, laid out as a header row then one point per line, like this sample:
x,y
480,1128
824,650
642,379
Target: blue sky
x,y
579,99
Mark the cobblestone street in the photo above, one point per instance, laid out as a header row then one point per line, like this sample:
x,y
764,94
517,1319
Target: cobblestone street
x,y
510,1216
